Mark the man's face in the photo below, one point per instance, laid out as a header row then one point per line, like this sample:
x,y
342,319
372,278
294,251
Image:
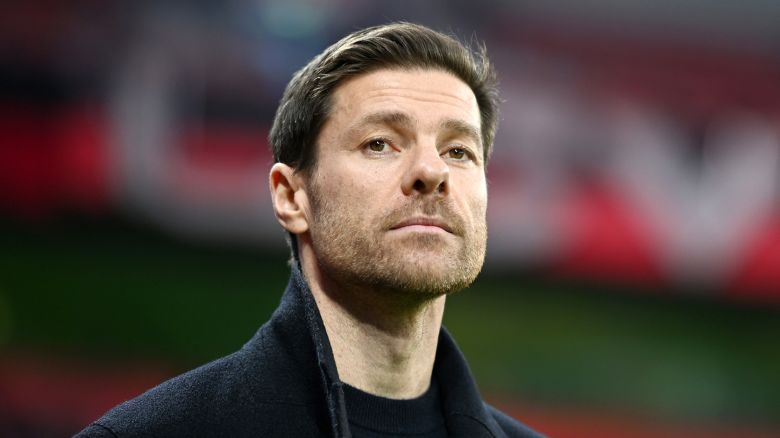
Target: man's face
x,y
398,194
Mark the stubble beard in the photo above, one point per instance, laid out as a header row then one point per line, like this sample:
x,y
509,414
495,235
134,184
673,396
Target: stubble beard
x,y
358,253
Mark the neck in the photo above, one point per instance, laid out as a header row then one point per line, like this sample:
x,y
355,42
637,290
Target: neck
x,y
384,343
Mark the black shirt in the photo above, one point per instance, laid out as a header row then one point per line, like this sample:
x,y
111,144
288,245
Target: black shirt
x,y
371,416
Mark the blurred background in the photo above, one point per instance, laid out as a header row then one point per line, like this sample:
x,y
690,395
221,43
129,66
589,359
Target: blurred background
x,y
632,286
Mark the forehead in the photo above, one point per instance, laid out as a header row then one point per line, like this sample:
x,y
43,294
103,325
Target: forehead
x,y
423,93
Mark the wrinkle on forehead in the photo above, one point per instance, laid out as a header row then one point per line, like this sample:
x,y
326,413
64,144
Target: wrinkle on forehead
x,y
418,93
420,86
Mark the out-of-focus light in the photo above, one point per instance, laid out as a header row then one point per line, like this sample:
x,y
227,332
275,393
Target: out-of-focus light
x,y
292,19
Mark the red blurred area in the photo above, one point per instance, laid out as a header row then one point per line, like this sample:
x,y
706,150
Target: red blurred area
x,y
58,397
560,422
692,78
220,162
606,240
759,273
51,161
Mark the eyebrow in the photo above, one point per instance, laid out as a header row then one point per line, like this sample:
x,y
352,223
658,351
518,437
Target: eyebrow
x,y
404,121
462,128
384,118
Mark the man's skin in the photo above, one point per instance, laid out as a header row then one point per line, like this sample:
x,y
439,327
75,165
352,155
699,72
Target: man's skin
x,y
390,220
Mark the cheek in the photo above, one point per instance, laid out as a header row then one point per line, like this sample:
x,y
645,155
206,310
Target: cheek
x,y
476,197
479,211
345,193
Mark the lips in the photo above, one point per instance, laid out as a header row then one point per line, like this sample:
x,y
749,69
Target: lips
x,y
424,222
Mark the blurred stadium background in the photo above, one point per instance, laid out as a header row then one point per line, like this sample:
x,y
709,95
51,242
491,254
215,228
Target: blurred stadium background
x,y
633,279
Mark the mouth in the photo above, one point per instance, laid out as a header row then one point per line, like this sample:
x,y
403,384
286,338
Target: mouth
x,y
422,223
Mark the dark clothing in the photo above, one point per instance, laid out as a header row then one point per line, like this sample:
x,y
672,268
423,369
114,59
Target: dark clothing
x,y
371,416
283,383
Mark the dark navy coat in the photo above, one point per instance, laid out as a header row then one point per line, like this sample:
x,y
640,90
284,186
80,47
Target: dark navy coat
x,y
283,383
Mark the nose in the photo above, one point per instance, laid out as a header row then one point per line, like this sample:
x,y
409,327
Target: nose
x,y
427,173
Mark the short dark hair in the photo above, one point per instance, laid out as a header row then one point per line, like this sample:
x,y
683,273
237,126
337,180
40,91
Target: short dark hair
x,y
306,101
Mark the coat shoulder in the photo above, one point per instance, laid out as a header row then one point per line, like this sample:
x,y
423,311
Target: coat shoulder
x,y
96,430
248,393
511,427
178,401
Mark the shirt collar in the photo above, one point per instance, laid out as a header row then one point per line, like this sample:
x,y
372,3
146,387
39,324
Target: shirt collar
x,y
464,411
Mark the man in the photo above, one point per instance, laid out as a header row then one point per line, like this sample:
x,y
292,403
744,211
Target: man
x,y
381,144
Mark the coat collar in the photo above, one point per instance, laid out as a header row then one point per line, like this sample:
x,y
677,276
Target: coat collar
x,y
464,411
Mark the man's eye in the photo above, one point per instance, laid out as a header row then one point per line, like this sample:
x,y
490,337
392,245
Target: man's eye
x,y
377,145
457,153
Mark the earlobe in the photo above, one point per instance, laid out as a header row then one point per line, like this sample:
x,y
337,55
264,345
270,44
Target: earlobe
x,y
288,198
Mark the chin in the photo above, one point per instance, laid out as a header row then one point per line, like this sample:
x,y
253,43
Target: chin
x,y
431,277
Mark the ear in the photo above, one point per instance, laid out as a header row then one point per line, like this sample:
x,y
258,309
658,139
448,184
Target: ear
x,y
289,198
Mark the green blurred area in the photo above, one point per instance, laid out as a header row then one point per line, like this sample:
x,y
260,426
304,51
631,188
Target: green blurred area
x,y
108,290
